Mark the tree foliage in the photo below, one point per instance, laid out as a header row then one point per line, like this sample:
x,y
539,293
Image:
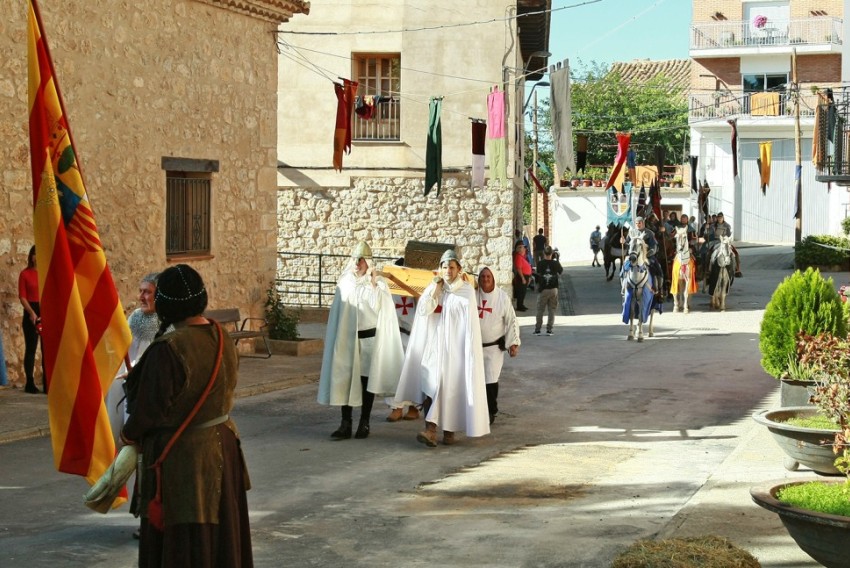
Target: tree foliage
x,y
604,103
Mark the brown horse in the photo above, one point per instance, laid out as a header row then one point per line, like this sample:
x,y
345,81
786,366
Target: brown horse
x,y
613,250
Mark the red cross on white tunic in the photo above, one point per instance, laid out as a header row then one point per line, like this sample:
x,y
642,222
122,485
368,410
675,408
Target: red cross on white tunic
x,y
483,308
403,306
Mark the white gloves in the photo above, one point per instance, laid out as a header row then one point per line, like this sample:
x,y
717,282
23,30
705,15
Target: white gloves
x,y
102,494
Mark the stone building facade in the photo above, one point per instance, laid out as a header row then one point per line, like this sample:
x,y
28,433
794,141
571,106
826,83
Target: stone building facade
x,y
145,84
379,194
333,219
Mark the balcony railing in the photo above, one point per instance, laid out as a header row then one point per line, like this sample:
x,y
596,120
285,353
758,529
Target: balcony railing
x,y
385,123
730,104
728,34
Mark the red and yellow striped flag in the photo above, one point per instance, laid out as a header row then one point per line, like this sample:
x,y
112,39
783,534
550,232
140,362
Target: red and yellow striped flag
x,y
85,333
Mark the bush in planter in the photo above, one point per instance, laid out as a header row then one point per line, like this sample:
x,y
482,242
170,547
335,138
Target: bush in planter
x,y
282,323
832,399
805,302
808,252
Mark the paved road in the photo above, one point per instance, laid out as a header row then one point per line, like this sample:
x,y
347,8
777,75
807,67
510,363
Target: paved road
x,y
600,442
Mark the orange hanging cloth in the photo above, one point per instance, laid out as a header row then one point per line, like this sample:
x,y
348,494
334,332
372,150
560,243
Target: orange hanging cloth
x,y
345,94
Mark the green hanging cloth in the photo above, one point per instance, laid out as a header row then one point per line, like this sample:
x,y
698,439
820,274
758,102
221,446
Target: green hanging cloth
x,y
434,147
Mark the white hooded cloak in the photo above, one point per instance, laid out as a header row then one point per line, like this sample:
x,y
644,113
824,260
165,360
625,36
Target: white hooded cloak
x,y
444,360
497,318
358,306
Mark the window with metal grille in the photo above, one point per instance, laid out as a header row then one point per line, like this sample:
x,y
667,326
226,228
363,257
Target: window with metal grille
x,y
187,213
379,78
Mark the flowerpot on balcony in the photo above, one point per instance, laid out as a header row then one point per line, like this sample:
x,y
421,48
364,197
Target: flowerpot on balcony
x,y
587,182
575,182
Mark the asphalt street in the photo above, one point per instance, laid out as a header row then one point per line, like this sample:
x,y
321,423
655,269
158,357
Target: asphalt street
x,y
600,441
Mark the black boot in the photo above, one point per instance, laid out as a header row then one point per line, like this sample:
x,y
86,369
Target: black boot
x,y
344,430
362,429
365,411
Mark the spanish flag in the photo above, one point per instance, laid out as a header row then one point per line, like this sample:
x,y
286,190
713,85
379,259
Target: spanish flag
x,y
85,333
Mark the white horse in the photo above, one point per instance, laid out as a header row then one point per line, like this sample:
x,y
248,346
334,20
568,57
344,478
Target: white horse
x,y
721,272
637,292
684,282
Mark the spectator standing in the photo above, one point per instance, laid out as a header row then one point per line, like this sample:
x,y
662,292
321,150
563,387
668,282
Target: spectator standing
x,y
595,243
499,333
363,353
28,295
549,272
444,364
522,276
144,324
538,242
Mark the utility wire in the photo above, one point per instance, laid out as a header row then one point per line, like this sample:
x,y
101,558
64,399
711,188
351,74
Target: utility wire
x,y
448,26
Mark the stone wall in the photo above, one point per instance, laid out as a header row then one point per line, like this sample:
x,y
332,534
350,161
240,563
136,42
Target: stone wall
x,y
144,80
388,212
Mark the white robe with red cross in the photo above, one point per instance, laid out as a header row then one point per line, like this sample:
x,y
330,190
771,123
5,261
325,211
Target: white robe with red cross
x,y
445,362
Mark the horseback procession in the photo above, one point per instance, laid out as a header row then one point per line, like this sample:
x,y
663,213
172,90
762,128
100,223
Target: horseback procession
x,y
664,259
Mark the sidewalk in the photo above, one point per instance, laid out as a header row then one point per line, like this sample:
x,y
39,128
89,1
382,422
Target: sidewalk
x,y
24,415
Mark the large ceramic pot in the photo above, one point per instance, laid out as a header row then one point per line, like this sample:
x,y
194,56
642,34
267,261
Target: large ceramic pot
x,y
811,447
794,393
826,538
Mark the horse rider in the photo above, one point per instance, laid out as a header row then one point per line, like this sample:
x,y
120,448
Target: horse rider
x,y
722,229
651,250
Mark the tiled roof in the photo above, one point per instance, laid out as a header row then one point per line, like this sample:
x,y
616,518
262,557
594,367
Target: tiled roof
x,y
677,71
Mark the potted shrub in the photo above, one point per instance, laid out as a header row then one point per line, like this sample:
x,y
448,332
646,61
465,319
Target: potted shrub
x,y
817,513
282,325
677,181
803,302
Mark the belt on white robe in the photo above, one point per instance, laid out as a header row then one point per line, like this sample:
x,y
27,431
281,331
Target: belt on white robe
x,y
364,333
500,342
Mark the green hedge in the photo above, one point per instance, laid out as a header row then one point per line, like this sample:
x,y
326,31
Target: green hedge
x,y
808,253
804,301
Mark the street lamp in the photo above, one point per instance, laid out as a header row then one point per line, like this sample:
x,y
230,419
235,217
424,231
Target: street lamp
x,y
538,84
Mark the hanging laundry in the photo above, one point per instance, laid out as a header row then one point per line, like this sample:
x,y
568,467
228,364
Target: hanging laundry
x,y
581,152
734,124
496,139
434,147
623,140
345,95
365,107
820,125
561,114
479,135
694,162
765,150
764,104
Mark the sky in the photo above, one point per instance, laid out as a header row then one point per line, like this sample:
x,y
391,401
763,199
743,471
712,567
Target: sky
x,y
610,31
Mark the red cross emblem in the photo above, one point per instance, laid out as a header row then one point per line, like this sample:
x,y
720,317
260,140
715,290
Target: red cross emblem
x,y
483,308
403,306
439,309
